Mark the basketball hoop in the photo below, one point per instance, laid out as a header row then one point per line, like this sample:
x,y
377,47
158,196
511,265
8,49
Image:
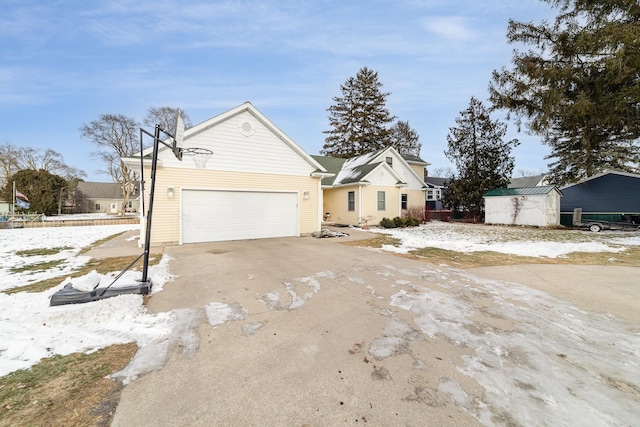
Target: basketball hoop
x,y
200,156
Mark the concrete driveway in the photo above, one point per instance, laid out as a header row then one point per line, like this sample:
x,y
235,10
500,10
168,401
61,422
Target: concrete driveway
x,y
319,333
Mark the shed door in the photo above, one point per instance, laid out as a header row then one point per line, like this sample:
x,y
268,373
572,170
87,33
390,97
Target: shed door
x,y
213,216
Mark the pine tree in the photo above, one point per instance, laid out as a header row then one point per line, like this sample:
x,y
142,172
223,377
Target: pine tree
x,y
578,86
42,188
482,158
359,118
405,139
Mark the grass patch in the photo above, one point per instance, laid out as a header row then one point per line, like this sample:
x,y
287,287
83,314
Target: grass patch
x,y
376,242
42,251
102,266
65,390
39,266
630,258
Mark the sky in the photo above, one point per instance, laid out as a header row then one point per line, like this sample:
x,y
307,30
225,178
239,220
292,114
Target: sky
x,y
65,63
572,390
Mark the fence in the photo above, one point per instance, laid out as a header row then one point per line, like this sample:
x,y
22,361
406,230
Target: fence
x,y
33,221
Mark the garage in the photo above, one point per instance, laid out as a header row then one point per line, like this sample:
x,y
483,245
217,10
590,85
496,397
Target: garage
x,y
220,215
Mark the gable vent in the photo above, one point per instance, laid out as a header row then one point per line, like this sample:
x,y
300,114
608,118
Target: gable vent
x,y
246,129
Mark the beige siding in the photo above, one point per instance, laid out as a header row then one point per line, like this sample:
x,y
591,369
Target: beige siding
x,y
418,169
415,197
336,203
370,205
166,212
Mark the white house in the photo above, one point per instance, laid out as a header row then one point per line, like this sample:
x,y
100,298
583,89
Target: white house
x,y
537,206
257,183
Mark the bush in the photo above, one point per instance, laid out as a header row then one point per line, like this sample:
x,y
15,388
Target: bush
x,y
387,223
398,222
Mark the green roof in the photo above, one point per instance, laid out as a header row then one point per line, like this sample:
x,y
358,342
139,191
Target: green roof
x,y
522,191
332,165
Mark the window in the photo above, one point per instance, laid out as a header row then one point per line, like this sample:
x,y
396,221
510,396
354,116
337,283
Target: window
x,y
404,201
351,200
434,194
389,161
97,207
381,201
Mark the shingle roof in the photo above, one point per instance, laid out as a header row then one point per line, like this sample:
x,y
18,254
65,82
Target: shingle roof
x,y
525,181
522,191
100,190
358,173
350,171
410,158
435,182
332,165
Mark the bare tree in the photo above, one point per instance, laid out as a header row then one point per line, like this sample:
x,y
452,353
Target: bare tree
x,y
166,118
50,161
115,137
9,160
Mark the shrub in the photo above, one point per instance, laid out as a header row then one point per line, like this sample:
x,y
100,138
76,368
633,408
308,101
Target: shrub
x,y
387,223
399,222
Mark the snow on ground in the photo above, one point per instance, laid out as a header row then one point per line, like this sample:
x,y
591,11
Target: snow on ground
x,y
532,373
462,237
70,241
30,329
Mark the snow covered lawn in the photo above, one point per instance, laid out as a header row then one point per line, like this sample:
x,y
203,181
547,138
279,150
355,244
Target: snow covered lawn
x,y
30,329
522,241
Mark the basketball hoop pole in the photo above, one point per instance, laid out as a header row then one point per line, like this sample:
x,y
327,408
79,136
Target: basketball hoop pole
x,y
154,166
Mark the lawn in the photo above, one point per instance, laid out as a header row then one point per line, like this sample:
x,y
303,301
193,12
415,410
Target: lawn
x,y
478,245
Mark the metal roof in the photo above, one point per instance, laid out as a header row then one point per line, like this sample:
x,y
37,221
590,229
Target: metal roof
x,y
522,191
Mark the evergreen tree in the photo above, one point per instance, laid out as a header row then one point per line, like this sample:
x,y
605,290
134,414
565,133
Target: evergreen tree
x,y
578,86
43,189
481,156
359,118
405,139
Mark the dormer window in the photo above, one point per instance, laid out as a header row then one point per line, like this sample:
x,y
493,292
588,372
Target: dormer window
x,y
389,161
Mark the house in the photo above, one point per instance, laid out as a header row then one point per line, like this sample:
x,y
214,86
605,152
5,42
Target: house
x,y
367,188
256,183
101,197
435,189
536,206
607,196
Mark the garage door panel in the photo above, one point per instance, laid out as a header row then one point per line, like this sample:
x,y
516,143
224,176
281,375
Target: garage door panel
x,y
209,216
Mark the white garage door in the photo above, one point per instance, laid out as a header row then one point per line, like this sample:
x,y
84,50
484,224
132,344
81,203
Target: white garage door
x,y
213,216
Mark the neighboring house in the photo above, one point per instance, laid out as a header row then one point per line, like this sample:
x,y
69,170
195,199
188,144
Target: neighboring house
x,y
373,186
258,183
537,206
435,190
101,197
608,196
528,181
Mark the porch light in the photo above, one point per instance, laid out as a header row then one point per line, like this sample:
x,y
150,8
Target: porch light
x,y
170,193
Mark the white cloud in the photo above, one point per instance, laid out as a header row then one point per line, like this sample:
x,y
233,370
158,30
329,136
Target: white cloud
x,y
455,28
